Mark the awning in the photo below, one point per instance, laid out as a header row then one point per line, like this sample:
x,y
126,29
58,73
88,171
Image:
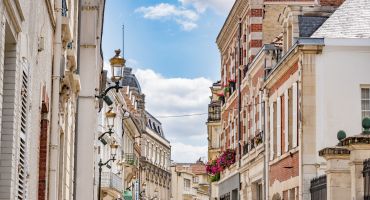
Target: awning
x,y
127,195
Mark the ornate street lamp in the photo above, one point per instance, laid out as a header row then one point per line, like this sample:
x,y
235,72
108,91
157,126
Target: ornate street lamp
x,y
110,116
117,65
114,146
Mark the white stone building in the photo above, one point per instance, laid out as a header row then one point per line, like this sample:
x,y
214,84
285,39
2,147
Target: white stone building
x,y
39,88
189,181
90,69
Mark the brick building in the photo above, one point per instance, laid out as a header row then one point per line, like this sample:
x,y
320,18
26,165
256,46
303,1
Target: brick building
x,y
275,98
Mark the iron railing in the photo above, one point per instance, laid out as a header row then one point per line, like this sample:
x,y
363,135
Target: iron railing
x,y
130,159
318,188
366,173
214,111
245,148
112,181
64,8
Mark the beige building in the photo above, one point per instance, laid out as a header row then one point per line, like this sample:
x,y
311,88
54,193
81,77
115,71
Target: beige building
x,y
189,181
214,129
155,161
39,89
214,121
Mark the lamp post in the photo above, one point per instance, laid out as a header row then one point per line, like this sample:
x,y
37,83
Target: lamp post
x,y
110,116
114,147
117,66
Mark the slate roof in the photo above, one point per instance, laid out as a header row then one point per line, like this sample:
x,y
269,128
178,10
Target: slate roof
x,y
350,20
309,24
129,79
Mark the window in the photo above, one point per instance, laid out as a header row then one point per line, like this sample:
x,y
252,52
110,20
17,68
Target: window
x,y
365,102
195,179
186,184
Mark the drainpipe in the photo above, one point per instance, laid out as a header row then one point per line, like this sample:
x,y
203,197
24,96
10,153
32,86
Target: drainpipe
x,y
300,117
267,146
54,134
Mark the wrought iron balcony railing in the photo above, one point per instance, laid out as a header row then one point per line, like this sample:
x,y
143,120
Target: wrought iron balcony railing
x,y
110,180
130,159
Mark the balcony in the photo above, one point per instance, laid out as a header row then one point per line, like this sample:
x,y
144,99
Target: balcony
x,y
130,159
214,111
67,29
111,181
189,192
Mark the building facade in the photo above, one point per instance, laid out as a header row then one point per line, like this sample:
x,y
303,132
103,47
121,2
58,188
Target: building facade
x,y
39,89
90,62
279,91
189,181
155,161
214,128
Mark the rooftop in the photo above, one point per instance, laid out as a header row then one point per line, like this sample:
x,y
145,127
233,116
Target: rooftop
x,y
350,20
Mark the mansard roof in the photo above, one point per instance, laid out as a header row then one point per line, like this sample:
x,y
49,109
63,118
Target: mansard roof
x,y
154,124
129,79
350,20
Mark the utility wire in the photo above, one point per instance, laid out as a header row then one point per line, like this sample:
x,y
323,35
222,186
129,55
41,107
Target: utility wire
x,y
200,114
185,115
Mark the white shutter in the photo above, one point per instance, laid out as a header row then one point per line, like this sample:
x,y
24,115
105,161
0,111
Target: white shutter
x,y
22,149
286,120
260,112
278,127
295,114
271,131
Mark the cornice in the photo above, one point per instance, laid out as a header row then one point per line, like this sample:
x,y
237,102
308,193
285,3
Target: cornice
x,y
231,23
15,14
51,13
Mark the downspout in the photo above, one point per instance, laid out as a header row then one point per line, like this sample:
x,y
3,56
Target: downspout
x,y
54,135
300,143
239,103
267,146
77,103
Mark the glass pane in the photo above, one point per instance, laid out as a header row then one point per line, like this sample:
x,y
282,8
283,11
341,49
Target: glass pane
x,y
365,93
365,104
365,114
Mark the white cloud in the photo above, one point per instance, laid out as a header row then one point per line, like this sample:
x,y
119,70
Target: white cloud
x,y
179,96
188,153
220,6
185,17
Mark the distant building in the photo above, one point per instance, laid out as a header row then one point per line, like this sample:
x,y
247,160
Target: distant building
x,y
155,161
214,129
189,181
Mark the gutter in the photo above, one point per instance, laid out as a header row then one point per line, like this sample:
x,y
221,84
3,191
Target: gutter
x,y
55,132
77,104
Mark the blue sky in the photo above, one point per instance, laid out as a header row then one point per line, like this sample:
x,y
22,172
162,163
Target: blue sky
x,y
171,43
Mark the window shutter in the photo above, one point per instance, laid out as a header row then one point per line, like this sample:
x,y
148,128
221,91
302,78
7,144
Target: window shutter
x,y
278,127
22,151
271,131
295,114
286,121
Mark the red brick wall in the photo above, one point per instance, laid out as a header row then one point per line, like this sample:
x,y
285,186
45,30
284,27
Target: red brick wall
x,y
282,122
255,28
43,148
280,170
331,2
43,158
284,77
255,43
256,12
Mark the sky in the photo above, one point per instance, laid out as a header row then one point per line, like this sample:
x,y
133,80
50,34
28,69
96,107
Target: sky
x,y
170,44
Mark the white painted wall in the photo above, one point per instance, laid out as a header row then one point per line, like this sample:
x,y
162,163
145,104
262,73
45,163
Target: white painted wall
x,y
342,68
